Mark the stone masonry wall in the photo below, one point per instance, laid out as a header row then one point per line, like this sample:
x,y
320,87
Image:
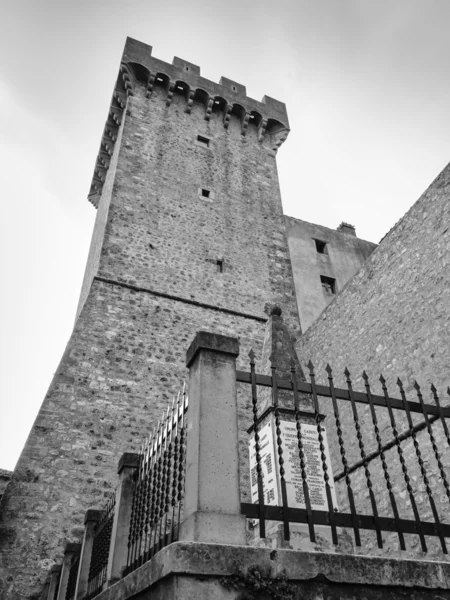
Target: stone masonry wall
x,y
123,364
151,283
393,318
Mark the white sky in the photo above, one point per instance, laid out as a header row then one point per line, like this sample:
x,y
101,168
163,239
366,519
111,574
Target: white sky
x,y
367,88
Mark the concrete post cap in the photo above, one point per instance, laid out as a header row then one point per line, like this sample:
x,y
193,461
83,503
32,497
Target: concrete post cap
x,y
56,569
92,515
205,340
128,460
71,547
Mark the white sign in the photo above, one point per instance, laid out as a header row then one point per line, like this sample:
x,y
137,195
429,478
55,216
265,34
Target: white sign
x,y
293,473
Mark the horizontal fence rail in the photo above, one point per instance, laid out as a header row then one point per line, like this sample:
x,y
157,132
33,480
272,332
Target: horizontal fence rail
x,y
100,549
289,445
158,494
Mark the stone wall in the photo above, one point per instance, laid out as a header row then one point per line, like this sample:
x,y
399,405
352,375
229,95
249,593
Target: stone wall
x,y
183,571
5,476
152,282
393,318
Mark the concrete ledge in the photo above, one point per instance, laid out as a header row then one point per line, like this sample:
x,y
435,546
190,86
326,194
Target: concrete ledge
x,y
204,340
217,560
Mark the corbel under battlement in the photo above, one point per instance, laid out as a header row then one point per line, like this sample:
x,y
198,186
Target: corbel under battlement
x,y
139,67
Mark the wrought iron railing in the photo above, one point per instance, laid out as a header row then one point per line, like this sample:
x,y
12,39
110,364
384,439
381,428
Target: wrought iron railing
x,y
158,494
100,548
73,575
399,482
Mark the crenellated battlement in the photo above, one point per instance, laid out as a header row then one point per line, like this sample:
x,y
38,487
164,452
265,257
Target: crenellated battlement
x,y
140,68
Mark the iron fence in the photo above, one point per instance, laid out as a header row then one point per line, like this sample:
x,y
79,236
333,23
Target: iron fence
x,y
100,548
399,486
73,574
159,487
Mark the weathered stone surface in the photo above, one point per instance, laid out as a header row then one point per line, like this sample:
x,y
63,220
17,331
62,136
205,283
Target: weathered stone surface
x,y
195,570
393,318
152,282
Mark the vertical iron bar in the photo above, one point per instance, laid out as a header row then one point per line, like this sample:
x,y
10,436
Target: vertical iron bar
x,y
262,519
143,489
441,414
138,528
148,492
309,515
181,466
280,451
422,467
403,465
169,474
433,441
163,481
158,483
131,528
326,477
175,469
364,459
337,419
387,478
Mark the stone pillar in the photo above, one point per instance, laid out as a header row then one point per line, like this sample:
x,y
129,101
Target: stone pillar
x,y
212,492
54,581
44,594
69,550
90,521
122,515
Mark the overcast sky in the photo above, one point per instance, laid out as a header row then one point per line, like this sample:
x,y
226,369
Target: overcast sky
x,y
367,87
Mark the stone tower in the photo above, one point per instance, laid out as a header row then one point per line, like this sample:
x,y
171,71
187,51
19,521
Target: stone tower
x,y
189,235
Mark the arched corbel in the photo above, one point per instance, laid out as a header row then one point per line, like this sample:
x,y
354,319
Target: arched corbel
x,y
227,115
126,80
190,102
279,138
107,146
116,115
209,108
262,129
101,173
111,129
170,93
104,159
245,121
151,83
120,98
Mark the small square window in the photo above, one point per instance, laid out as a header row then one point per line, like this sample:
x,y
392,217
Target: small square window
x,y
219,265
205,193
203,140
328,285
321,247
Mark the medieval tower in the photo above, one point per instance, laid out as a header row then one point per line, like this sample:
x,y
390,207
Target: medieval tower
x,y
189,235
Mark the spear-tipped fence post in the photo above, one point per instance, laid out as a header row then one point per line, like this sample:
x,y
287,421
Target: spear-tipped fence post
x,y
91,519
69,550
212,511
118,549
